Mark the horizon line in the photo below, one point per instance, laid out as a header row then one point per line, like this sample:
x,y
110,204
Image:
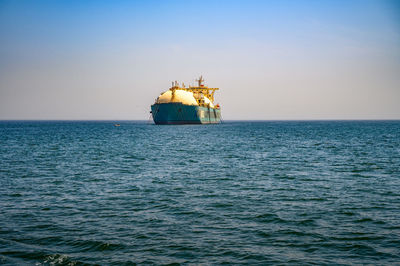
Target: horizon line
x,y
225,120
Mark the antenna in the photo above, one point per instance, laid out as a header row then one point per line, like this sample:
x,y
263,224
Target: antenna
x,y
200,81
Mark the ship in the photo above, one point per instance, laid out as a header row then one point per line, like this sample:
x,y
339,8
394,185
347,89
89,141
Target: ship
x,y
186,105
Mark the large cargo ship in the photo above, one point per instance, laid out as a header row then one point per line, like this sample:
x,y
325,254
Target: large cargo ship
x,y
186,105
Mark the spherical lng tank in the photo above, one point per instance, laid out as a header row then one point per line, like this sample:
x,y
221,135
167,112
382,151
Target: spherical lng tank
x,y
180,96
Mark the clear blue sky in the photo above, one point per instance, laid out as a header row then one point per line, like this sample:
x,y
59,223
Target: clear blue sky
x,y
271,59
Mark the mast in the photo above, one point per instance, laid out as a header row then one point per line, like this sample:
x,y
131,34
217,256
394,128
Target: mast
x,y
200,81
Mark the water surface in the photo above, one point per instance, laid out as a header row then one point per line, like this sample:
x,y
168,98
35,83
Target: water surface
x,y
323,192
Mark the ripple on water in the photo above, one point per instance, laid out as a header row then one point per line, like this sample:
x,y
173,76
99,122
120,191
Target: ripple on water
x,y
74,193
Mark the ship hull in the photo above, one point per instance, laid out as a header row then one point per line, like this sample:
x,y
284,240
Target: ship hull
x,y
178,114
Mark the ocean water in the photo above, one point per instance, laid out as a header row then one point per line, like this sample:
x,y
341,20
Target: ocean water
x,y
255,193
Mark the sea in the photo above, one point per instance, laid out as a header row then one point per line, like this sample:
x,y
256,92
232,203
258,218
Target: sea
x,y
240,192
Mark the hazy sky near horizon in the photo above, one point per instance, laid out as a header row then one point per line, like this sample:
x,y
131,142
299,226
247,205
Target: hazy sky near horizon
x,y
271,59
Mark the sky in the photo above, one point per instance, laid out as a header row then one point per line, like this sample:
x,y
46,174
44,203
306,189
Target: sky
x,y
272,60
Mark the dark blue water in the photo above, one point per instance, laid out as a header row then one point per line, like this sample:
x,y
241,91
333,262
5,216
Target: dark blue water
x,y
239,192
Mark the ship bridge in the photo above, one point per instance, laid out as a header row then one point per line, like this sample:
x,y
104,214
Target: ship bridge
x,y
198,91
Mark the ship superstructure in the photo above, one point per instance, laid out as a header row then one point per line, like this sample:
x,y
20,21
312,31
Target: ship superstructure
x,y
186,105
